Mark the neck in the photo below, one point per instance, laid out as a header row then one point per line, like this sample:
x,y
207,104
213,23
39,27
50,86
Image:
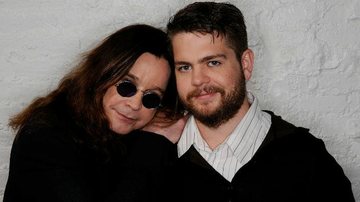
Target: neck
x,y
215,136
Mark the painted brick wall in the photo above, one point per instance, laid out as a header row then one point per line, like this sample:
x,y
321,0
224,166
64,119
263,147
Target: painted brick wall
x,y
307,59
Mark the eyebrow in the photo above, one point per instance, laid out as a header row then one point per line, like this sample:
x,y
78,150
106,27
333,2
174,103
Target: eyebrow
x,y
202,60
133,77
210,57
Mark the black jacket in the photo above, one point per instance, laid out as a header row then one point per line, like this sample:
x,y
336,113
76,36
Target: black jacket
x,y
290,165
48,165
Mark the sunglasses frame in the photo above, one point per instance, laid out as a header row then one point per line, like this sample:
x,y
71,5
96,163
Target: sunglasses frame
x,y
144,96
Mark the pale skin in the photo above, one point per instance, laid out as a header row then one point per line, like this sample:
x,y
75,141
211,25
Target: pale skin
x,y
205,60
172,131
128,113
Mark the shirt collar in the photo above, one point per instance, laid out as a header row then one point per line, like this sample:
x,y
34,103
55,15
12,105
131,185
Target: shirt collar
x,y
243,135
191,135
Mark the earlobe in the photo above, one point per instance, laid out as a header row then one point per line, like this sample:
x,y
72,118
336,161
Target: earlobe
x,y
247,62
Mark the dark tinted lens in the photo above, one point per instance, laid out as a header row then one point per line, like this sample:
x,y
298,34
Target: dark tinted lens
x,y
151,100
126,89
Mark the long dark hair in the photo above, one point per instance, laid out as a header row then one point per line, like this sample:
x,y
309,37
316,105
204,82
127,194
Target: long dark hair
x,y
213,18
84,87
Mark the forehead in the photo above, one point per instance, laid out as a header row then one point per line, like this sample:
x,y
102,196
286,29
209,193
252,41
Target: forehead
x,y
189,44
212,37
150,70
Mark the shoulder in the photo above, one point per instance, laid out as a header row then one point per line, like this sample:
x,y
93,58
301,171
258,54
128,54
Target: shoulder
x,y
294,150
149,148
281,129
147,139
286,144
45,136
287,139
40,135
295,144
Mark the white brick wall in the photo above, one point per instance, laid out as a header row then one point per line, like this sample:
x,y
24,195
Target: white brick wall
x,y
307,59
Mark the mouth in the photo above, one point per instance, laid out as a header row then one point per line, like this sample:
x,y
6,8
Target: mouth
x,y
205,95
124,117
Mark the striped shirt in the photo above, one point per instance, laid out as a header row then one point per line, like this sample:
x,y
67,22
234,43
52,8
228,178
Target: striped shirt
x,y
237,149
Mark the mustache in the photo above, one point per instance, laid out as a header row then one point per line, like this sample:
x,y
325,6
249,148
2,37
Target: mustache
x,y
206,89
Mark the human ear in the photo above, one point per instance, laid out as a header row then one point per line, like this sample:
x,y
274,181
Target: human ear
x,y
247,63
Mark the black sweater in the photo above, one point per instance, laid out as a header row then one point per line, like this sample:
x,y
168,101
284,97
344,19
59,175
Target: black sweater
x,y
290,165
48,165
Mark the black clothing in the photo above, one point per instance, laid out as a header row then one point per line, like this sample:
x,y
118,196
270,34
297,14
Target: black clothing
x,y
48,164
290,165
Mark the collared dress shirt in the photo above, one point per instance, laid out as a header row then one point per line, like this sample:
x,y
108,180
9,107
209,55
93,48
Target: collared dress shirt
x,y
237,149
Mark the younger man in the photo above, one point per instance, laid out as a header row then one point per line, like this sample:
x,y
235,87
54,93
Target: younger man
x,y
230,150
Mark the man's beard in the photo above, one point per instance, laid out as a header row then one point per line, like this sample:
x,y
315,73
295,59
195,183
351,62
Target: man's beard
x,y
229,104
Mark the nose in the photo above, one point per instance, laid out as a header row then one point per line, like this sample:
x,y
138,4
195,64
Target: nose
x,y
199,77
135,101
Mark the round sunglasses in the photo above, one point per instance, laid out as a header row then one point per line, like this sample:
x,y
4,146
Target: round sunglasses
x,y
150,100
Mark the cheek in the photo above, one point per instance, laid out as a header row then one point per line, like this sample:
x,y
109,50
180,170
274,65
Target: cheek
x,y
110,95
229,79
149,114
182,91
183,85
146,117
110,98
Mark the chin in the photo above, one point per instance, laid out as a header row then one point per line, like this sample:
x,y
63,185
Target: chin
x,y
121,130
207,109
